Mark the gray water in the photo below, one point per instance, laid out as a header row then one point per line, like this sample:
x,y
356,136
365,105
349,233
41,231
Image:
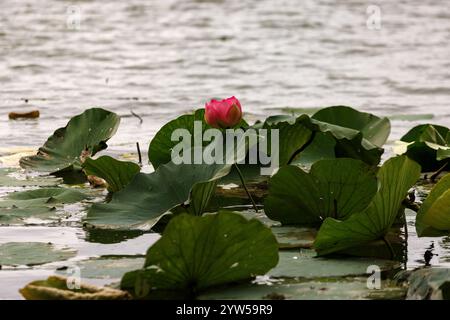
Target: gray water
x,y
163,58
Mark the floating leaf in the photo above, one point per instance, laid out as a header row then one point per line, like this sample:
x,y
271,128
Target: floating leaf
x,y
305,264
428,145
56,288
429,283
395,178
148,196
294,237
108,267
42,197
84,135
13,178
333,188
349,288
433,218
32,253
116,173
20,215
196,253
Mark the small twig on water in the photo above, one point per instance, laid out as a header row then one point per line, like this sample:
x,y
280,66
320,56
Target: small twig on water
x,y
137,116
245,187
139,153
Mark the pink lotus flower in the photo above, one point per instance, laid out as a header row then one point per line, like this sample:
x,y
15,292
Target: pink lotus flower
x,y
223,114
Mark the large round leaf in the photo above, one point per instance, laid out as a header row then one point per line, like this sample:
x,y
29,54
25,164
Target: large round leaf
x,y
160,148
433,218
428,145
333,188
374,129
42,197
142,202
32,253
196,253
345,288
337,132
149,196
293,136
84,135
395,177
116,173
305,264
23,215
13,178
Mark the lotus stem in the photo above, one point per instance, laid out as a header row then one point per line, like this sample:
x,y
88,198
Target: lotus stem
x,y
435,175
245,187
139,153
406,226
406,240
388,244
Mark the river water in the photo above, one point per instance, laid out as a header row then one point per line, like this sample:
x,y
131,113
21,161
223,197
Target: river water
x,y
161,58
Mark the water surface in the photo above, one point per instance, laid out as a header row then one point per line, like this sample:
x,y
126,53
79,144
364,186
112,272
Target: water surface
x,y
162,58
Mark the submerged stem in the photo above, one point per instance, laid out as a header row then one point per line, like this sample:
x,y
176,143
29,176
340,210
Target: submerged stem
x,y
245,187
406,239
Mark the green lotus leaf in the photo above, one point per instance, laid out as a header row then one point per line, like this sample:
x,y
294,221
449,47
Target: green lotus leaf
x,y
321,147
293,136
375,130
32,253
116,173
107,267
197,253
428,145
343,288
10,216
160,148
395,178
148,196
42,197
304,264
83,136
333,132
13,178
333,188
433,218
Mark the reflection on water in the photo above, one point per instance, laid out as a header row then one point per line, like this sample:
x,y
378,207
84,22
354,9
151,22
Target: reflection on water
x,y
161,58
